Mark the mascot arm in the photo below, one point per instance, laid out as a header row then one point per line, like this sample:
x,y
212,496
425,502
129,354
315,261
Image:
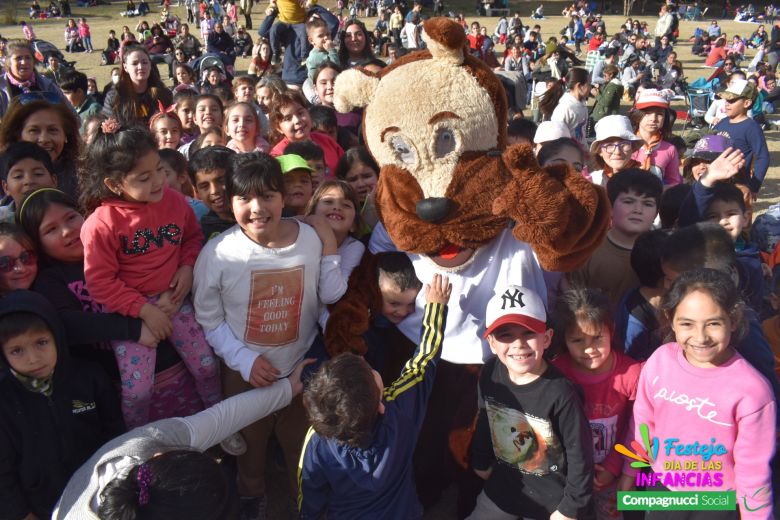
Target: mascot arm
x,y
351,316
561,214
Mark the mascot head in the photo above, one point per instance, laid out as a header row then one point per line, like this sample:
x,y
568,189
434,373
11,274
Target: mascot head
x,y
435,121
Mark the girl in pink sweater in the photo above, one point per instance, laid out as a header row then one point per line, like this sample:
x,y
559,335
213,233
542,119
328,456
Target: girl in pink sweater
x,y
699,392
140,245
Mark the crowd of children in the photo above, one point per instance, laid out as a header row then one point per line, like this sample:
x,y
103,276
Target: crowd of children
x,y
170,260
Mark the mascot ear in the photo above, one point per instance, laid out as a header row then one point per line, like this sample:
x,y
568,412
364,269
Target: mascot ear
x,y
354,88
445,39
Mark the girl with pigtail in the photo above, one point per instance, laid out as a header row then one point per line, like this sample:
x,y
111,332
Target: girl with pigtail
x,y
565,102
140,242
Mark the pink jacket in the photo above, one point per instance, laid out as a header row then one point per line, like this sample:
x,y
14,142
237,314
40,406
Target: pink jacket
x,y
133,249
261,145
608,403
665,163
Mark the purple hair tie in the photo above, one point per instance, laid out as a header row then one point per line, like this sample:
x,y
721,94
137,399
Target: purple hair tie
x,y
144,479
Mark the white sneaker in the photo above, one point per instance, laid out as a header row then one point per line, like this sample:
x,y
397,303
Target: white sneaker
x,y
234,445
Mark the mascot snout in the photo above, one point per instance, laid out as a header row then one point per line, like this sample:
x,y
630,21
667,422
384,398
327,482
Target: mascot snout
x,y
434,209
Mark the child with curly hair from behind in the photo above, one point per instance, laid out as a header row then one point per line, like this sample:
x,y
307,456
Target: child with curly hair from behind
x,y
357,457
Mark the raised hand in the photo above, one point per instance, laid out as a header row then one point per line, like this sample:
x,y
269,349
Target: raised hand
x,y
439,290
724,167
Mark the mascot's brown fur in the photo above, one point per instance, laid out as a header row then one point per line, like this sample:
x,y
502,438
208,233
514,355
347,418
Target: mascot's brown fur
x,y
435,121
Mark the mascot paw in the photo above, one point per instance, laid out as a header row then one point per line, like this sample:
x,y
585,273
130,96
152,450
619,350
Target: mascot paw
x,y
534,196
558,211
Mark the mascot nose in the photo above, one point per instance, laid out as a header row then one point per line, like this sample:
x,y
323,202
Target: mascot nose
x,y
434,209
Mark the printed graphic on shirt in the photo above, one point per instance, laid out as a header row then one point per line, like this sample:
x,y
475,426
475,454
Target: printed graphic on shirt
x,y
82,406
274,309
522,441
603,430
143,239
79,290
579,131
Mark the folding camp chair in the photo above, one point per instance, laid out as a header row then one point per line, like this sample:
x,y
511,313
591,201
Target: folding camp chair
x,y
699,99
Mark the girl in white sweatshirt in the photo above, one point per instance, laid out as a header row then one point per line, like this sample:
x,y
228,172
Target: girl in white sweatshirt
x,y
568,98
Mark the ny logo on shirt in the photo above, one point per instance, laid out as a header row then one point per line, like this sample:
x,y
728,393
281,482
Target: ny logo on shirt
x,y
512,298
144,238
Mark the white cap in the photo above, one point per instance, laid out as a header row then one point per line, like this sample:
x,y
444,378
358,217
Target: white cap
x,y
550,131
613,126
516,305
653,98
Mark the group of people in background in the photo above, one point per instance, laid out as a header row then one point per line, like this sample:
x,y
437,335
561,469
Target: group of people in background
x,y
171,254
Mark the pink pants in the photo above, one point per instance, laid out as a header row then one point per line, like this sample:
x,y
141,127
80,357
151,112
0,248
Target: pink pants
x,y
136,367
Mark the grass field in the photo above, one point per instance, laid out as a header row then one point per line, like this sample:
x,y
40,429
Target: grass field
x,y
103,18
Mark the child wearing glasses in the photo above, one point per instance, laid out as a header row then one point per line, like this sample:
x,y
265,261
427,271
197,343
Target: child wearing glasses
x,y
18,261
612,149
25,167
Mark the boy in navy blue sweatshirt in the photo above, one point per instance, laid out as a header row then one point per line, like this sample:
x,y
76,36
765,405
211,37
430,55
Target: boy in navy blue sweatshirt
x,y
745,133
727,208
637,324
357,456
713,197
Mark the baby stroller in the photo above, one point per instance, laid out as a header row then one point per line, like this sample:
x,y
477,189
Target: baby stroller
x,y
43,50
171,24
699,94
207,61
108,57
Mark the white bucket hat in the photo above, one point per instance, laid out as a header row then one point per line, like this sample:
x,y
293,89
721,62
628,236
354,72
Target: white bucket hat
x,y
550,131
614,126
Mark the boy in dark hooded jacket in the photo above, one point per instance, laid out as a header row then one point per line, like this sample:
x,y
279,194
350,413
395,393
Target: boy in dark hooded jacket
x,y
55,411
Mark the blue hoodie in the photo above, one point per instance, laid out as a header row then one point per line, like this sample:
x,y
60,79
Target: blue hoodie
x,y
637,330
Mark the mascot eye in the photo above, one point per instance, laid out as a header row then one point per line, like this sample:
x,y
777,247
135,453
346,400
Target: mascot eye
x,y
445,142
403,151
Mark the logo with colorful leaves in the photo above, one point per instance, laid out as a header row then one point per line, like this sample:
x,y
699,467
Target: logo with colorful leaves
x,y
643,455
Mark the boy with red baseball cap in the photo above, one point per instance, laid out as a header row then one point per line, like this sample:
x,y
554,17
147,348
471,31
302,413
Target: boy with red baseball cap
x,y
533,444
